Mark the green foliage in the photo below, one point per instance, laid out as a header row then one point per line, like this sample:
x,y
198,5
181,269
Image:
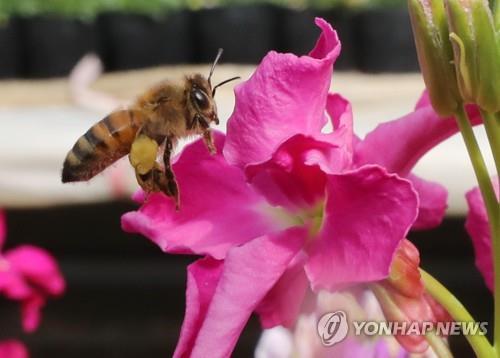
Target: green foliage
x,y
326,4
148,7
368,4
243,2
296,4
6,9
85,9
88,9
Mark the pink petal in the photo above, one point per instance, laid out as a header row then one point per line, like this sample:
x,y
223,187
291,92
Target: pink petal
x,y
218,209
248,273
13,284
31,312
424,100
294,178
37,267
477,226
433,198
13,349
368,212
339,110
282,304
203,277
286,95
398,145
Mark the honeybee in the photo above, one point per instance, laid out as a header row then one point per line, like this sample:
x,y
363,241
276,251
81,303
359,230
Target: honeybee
x,y
149,128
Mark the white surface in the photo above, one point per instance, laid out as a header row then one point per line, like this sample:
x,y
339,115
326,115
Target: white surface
x,y
33,145
34,142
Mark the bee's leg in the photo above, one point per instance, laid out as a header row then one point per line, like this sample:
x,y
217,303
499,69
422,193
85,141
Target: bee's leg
x,y
153,180
148,172
207,134
171,183
209,141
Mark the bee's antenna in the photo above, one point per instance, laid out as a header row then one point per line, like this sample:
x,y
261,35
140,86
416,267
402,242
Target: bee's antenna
x,y
219,54
223,83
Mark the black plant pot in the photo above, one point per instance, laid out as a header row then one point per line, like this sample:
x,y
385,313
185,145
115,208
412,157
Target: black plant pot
x,y
298,32
9,53
132,41
52,46
385,41
246,33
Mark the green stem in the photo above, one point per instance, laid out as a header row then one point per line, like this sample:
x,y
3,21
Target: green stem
x,y
478,164
458,312
492,127
438,345
496,286
489,197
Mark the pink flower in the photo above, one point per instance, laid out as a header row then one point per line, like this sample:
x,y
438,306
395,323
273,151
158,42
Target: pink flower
x,y
477,226
398,145
28,274
285,207
13,349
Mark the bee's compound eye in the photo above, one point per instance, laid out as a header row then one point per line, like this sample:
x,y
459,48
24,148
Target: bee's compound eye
x,y
201,99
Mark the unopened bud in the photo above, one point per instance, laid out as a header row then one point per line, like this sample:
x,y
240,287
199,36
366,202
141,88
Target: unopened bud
x,y
404,276
405,310
476,48
435,55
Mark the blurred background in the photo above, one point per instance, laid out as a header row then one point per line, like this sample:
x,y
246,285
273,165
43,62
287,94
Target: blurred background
x,y
44,38
125,298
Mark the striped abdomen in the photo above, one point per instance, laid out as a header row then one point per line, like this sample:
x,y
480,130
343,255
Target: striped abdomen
x,y
103,144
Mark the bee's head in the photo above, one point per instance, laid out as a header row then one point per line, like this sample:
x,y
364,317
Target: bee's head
x,y
201,98
201,101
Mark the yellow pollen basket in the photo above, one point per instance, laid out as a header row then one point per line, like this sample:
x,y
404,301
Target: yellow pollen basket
x,y
143,154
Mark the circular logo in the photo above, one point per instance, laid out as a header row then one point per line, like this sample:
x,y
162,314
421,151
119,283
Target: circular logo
x,y
333,328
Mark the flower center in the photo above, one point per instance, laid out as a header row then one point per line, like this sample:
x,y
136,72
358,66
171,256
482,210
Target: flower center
x,y
311,218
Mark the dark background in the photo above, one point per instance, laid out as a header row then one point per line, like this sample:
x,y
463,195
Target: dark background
x,y
125,298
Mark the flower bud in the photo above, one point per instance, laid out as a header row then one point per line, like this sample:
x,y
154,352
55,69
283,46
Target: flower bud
x,y
435,55
403,299
405,311
476,48
404,276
